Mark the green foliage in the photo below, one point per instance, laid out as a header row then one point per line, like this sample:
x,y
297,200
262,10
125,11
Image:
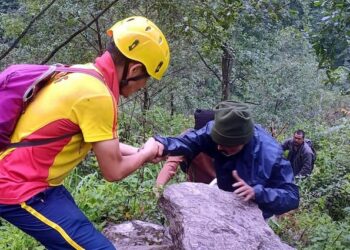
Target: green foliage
x,y
135,127
281,77
7,6
102,201
332,164
323,218
330,32
312,230
11,238
55,27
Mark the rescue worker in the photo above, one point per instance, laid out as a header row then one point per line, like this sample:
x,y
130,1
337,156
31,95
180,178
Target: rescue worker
x,y
32,196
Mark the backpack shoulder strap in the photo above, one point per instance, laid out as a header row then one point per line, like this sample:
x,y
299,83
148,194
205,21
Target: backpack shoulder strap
x,y
39,142
92,72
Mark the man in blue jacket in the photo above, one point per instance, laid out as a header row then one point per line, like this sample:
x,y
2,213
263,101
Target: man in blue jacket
x,y
247,160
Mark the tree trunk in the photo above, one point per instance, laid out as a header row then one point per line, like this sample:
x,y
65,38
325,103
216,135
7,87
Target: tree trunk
x,y
146,100
227,64
172,105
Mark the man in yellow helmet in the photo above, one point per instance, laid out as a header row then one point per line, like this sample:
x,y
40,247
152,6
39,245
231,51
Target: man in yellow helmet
x,y
77,112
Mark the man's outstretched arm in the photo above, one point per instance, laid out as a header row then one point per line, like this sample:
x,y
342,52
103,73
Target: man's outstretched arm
x,y
169,170
114,165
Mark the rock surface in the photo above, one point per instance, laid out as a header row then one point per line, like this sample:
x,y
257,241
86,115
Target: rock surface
x,y
138,235
203,217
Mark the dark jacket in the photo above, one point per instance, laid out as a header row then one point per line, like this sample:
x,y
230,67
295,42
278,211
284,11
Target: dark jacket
x,y
260,164
300,157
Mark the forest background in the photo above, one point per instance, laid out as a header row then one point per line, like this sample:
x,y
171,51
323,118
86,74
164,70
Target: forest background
x,y
288,59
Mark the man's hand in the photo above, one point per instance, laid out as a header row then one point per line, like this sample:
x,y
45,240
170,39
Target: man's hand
x,y
159,154
243,189
150,149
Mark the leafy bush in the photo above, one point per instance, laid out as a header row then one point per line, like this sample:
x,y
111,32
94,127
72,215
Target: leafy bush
x,y
136,127
11,238
323,218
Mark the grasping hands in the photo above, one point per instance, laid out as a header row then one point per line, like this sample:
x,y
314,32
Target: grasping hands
x,y
243,189
159,156
153,150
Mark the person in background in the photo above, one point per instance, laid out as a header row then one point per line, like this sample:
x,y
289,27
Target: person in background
x,y
247,160
32,196
300,154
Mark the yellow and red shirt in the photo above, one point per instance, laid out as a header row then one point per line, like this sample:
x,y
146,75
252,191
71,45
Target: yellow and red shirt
x,y
76,103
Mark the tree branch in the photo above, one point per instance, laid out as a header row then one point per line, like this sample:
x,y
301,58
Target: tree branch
x,y
85,37
99,40
26,30
77,33
253,103
81,21
206,64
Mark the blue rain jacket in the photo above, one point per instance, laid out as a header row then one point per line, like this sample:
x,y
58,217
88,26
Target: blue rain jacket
x,y
260,164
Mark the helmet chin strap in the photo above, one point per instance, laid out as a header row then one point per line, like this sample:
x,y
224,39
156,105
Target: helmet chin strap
x,y
124,81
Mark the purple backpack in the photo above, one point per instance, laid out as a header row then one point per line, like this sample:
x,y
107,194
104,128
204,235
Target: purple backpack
x,y
19,85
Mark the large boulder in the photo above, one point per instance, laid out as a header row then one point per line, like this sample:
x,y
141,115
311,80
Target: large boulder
x,y
200,217
204,217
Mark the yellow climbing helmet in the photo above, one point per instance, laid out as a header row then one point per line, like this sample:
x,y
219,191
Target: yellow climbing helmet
x,y
141,40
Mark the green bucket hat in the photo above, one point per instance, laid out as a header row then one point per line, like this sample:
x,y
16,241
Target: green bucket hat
x,y
233,124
